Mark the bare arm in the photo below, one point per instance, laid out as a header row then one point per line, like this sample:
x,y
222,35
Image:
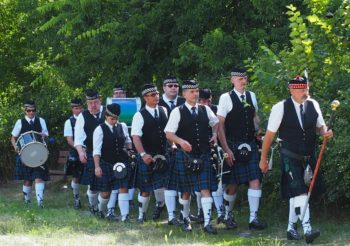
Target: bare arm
x,y
268,139
222,137
327,134
70,141
98,171
139,147
13,142
186,146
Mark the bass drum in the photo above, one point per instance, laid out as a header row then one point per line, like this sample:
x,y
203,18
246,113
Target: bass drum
x,y
32,149
128,107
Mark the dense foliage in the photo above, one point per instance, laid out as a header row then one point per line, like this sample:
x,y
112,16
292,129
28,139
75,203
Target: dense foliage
x,y
53,50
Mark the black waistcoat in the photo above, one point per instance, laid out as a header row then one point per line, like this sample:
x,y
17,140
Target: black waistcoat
x,y
239,122
26,127
112,146
90,124
195,131
153,136
301,141
179,102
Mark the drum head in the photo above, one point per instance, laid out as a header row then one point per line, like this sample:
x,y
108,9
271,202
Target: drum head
x,y
34,154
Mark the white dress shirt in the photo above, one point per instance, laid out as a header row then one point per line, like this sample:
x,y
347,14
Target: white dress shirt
x,y
97,139
277,112
167,100
174,118
68,130
138,121
18,126
225,102
79,133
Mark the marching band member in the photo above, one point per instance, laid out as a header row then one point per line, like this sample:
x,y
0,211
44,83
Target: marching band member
x,y
188,128
149,139
74,166
40,174
296,120
112,168
170,98
237,113
85,125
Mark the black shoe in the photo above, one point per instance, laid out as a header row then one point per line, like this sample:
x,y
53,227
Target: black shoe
x,y
210,229
77,204
143,219
293,233
111,217
174,222
127,219
200,218
220,219
100,214
131,204
310,236
93,210
187,225
157,211
41,204
230,222
257,225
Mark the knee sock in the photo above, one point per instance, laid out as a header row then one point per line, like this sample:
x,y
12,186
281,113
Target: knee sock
x,y
39,189
102,203
93,199
123,202
218,201
170,202
131,193
75,189
159,195
143,205
27,192
293,217
185,207
229,201
207,203
299,203
198,201
112,201
253,199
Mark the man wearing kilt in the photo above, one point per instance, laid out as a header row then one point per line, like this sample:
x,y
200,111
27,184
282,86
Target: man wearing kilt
x,y
239,123
40,174
188,128
296,119
85,125
74,167
112,168
149,139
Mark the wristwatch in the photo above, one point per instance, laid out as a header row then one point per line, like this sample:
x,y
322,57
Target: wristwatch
x,y
142,154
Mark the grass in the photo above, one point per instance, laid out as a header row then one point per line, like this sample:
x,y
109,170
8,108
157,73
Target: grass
x,y
59,224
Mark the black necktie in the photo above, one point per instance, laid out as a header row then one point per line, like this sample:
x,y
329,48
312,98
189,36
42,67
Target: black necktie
x,y
156,114
242,98
172,105
194,113
302,115
31,122
114,130
97,116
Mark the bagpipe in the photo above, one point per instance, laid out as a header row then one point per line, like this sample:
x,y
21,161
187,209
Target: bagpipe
x,y
217,158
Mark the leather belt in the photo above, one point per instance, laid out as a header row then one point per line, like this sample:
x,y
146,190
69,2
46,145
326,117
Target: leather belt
x,y
304,158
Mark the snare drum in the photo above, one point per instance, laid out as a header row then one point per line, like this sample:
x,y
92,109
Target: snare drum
x,y
128,107
32,149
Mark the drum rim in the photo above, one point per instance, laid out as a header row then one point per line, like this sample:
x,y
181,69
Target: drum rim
x,y
37,164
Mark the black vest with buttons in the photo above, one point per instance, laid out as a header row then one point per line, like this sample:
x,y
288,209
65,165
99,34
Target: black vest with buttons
x,y
291,132
26,127
112,146
239,122
90,124
195,131
153,137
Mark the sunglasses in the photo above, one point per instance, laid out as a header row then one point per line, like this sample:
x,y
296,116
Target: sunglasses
x,y
171,86
30,110
153,94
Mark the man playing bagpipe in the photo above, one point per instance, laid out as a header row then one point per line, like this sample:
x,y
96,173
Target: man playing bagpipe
x,y
237,113
188,128
112,166
73,166
85,125
150,142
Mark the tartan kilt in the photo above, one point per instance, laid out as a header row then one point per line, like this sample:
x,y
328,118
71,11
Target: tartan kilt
x,y
147,180
107,182
23,172
183,180
89,170
243,172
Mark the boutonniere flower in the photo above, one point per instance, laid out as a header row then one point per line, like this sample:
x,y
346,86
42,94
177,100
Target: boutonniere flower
x,y
245,104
